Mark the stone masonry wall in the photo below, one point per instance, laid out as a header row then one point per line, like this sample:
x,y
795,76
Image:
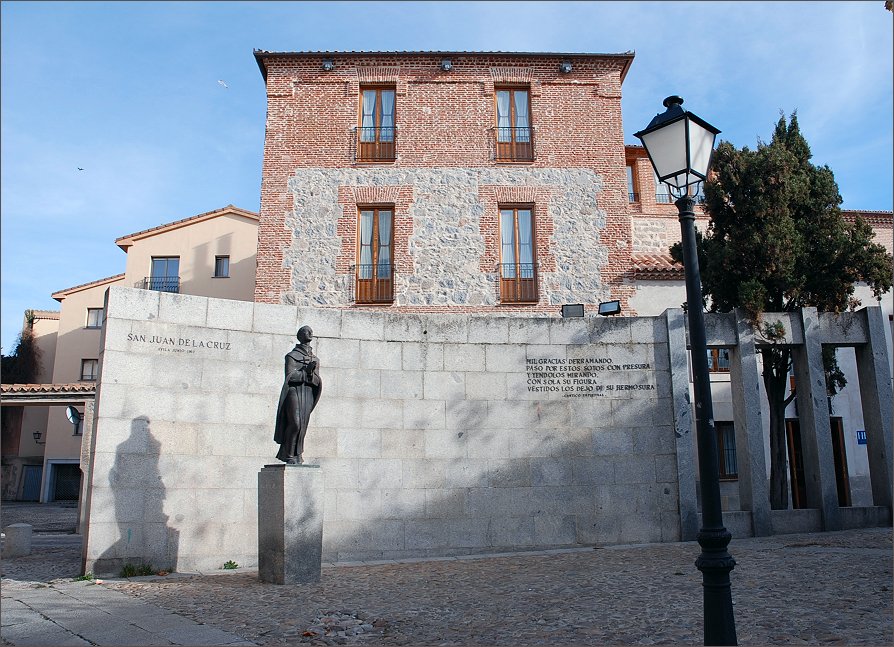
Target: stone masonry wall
x,y
437,434
445,151
446,245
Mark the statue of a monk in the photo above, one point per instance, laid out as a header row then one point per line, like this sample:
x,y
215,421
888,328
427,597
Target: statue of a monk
x,y
300,393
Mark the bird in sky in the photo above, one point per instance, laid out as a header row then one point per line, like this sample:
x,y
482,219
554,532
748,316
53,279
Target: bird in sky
x,y
80,169
225,86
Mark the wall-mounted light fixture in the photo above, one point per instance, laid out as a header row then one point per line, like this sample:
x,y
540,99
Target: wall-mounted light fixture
x,y
74,417
608,308
565,67
446,65
328,65
37,439
573,310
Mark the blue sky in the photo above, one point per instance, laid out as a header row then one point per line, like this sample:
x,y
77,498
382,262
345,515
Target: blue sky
x,y
129,92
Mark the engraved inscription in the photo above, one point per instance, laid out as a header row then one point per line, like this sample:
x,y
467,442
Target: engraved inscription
x,y
589,377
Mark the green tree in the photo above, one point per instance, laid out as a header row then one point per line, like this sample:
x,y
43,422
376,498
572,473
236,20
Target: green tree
x,y
23,365
777,242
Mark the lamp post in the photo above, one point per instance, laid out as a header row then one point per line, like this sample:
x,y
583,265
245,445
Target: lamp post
x,y
679,145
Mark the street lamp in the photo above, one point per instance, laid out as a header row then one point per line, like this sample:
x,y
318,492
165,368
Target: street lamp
x,y
679,145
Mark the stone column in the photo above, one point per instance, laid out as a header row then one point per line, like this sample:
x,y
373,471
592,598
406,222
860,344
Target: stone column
x,y
682,407
290,523
87,443
816,432
875,392
751,462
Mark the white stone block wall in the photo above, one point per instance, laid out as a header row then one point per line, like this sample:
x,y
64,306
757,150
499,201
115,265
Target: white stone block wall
x,y
430,439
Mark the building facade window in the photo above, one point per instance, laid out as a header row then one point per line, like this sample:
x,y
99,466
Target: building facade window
x,y
375,270
89,369
718,360
376,128
515,140
164,274
662,192
632,189
221,267
94,317
518,271
726,450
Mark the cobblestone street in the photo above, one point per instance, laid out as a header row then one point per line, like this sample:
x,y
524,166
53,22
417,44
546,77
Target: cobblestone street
x,y
819,588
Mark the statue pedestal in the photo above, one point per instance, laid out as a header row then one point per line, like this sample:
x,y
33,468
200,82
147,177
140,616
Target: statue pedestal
x,y
290,523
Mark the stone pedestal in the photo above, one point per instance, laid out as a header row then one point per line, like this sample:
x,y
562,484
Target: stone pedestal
x,y
290,523
18,540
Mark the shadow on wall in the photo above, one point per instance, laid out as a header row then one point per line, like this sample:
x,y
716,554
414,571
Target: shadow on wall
x,y
139,495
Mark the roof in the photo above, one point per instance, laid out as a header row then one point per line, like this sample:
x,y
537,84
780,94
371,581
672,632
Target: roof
x,y
77,387
874,218
656,267
45,314
126,241
47,394
61,294
260,54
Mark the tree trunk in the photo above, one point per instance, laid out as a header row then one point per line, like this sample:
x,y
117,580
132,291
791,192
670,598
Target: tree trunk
x,y
775,375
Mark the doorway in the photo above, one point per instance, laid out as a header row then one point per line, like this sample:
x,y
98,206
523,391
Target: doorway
x,y
839,454
32,476
796,463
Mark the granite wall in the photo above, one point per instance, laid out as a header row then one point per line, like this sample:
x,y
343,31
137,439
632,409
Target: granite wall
x,y
437,434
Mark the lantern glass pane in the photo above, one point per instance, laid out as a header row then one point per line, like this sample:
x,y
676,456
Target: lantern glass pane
x,y
701,142
667,148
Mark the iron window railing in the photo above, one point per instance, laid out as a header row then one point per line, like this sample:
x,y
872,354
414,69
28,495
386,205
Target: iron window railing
x,y
376,144
664,198
632,197
518,283
159,283
515,144
373,283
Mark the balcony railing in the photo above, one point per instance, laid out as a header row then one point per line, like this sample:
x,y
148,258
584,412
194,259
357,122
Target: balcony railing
x,y
159,283
515,144
518,283
633,197
664,198
373,283
376,144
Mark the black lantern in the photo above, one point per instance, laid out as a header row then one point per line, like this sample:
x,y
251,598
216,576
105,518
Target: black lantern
x,y
679,145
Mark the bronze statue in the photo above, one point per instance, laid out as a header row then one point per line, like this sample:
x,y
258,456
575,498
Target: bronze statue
x,y
300,393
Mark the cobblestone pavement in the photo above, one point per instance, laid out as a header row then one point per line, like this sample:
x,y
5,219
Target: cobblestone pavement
x,y
43,517
818,588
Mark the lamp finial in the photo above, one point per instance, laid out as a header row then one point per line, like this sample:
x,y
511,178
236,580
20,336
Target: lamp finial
x,y
673,100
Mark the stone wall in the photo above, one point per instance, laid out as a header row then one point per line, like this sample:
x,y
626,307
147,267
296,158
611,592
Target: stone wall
x,y
446,242
437,434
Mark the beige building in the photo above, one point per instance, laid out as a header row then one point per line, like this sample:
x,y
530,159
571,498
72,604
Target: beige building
x,y
211,254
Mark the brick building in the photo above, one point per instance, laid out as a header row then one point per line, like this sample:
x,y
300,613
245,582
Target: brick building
x,y
468,182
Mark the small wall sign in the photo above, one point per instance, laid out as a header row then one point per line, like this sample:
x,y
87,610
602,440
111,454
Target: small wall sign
x,y
861,436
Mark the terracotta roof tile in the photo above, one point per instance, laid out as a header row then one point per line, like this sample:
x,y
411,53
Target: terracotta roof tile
x,y
178,223
656,266
61,294
77,387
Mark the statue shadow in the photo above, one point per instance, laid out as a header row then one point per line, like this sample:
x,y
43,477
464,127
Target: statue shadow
x,y
146,543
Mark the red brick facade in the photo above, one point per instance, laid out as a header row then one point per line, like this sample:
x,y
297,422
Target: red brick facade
x,y
444,119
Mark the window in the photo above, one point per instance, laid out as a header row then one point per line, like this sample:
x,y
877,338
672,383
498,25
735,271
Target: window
x,y
376,129
726,450
632,193
518,275
94,317
514,134
88,369
221,267
662,192
375,282
718,360
164,275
